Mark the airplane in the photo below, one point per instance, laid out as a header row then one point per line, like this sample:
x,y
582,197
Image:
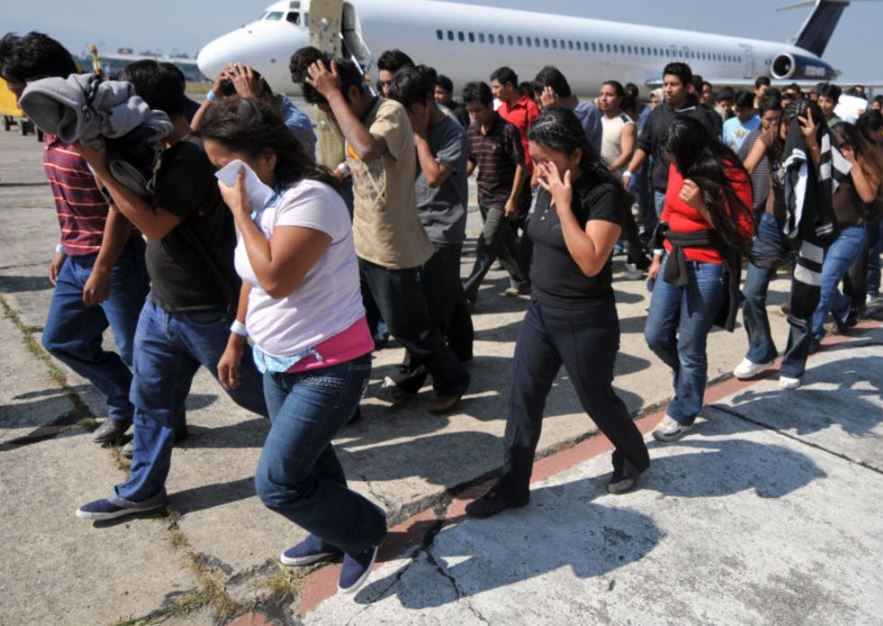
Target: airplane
x,y
468,42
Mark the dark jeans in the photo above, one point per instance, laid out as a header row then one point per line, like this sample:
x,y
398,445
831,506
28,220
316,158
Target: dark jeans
x,y
402,304
73,331
299,475
169,348
677,330
874,261
441,286
586,342
497,240
761,347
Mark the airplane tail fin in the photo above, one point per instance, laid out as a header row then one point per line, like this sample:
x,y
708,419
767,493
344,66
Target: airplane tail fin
x,y
819,26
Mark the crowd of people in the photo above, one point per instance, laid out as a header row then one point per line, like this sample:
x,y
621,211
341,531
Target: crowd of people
x,y
279,255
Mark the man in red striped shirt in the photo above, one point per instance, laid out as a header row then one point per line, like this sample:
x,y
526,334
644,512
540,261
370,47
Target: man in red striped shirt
x,y
98,268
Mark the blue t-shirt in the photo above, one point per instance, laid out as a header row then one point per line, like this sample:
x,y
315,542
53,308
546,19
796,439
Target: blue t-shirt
x,y
299,124
735,131
589,117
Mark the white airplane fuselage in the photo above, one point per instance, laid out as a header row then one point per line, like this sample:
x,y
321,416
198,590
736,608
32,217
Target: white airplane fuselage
x,y
468,42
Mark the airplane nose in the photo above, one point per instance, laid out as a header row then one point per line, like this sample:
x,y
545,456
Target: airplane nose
x,y
213,56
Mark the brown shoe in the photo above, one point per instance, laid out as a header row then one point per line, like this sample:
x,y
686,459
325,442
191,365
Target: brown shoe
x,y
444,404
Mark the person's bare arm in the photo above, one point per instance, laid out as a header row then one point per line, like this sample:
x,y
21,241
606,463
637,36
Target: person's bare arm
x,y
517,185
628,140
281,262
117,230
758,152
228,366
154,223
590,247
634,165
366,146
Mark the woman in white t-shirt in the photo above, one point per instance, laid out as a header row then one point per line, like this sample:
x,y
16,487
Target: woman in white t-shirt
x,y
301,306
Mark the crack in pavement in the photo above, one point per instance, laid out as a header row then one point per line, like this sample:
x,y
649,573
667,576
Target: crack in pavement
x,y
464,598
733,413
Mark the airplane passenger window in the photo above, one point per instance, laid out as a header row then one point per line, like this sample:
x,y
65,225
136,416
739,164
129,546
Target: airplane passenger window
x,y
579,45
562,44
519,40
616,48
545,43
609,49
570,45
461,36
471,37
293,17
275,16
528,41
555,43
480,37
450,35
511,40
629,49
536,42
439,35
593,47
491,39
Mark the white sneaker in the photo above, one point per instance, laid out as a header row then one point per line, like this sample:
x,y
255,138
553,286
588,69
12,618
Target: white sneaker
x,y
632,272
670,430
749,369
786,382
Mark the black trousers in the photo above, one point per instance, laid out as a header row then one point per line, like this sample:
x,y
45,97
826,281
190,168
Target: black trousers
x,y
402,304
497,240
585,341
441,286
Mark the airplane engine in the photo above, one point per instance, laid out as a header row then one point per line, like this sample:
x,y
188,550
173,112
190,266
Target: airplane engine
x,y
790,66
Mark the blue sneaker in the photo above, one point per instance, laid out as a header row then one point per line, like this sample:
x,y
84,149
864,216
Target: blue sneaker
x,y
104,509
356,569
310,550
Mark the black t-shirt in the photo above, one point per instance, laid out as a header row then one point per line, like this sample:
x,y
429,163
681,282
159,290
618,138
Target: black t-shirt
x,y
191,268
556,278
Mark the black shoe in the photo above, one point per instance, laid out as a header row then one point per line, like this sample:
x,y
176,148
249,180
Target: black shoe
x,y
492,503
623,480
111,430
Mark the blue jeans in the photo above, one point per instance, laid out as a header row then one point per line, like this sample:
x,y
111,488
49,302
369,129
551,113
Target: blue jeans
x,y
298,475
761,347
677,328
850,243
874,264
169,348
73,331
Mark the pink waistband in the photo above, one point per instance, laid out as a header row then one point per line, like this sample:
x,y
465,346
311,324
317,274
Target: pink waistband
x,y
345,346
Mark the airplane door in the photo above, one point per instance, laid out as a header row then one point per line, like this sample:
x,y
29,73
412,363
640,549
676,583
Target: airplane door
x,y
325,25
748,54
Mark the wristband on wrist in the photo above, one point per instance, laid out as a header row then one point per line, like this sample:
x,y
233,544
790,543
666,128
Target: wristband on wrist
x,y
238,328
210,96
628,173
658,251
59,249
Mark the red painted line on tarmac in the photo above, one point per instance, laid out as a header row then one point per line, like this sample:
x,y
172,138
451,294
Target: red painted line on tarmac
x,y
322,584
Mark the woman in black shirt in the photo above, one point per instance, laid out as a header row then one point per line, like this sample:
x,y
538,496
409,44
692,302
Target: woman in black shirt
x,y
572,320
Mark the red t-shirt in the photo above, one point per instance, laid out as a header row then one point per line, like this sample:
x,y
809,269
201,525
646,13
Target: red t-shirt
x,y
683,218
521,115
82,210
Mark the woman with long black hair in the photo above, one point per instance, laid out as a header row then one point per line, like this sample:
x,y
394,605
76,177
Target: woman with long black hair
x,y
302,307
578,217
706,225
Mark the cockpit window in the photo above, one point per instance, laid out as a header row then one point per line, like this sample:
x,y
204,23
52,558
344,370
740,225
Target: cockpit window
x,y
274,16
293,17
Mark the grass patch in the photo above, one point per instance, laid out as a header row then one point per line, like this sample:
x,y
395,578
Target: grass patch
x,y
56,373
211,581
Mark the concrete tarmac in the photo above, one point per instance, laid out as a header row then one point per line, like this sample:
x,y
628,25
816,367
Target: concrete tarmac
x,y
767,513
